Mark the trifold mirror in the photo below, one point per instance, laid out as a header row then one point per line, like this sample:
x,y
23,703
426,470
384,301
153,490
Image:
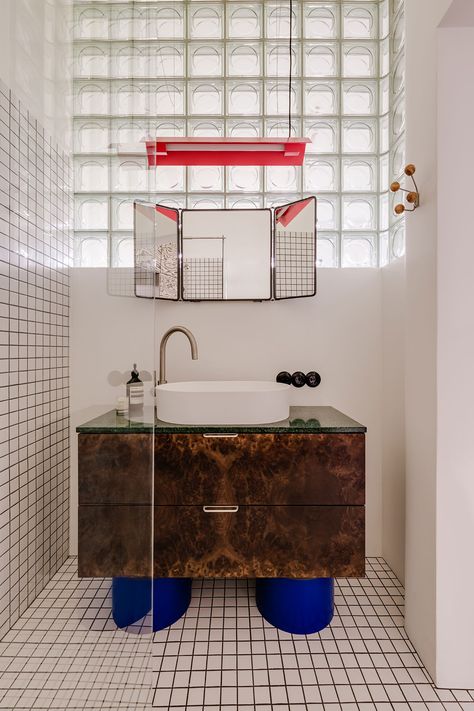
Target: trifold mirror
x,y
225,255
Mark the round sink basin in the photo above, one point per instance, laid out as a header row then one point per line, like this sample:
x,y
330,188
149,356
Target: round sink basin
x,y
223,402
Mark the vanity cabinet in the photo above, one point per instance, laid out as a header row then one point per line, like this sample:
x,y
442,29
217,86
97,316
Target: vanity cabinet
x,y
267,501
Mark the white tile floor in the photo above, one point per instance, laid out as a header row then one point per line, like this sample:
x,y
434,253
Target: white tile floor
x,y
65,653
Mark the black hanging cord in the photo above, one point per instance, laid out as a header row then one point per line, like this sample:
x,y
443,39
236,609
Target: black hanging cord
x,y
290,72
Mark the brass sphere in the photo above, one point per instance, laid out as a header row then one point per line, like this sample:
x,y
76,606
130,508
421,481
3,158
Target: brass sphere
x,y
399,209
412,197
410,169
395,186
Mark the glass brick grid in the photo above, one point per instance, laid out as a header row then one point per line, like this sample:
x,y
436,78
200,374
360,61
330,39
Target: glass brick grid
x,y
220,68
35,252
65,651
223,655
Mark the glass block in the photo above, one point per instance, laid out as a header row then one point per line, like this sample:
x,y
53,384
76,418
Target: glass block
x,y
282,178
321,98
359,213
91,175
130,99
384,95
384,207
359,99
206,129
122,21
168,99
384,256
91,23
91,60
206,202
384,18
249,202
278,128
398,75
244,98
277,98
177,201
92,99
321,175
170,127
166,23
244,21
384,178
359,21
91,212
324,135
129,175
205,98
359,60
320,60
359,174
129,60
91,136
328,213
359,251
277,20
326,251
320,21
244,178
129,130
205,20
274,200
398,240
244,60
205,60
203,178
168,179
91,249
384,134
359,136
122,250
122,213
398,34
168,61
277,60
398,159
240,128
384,61
398,117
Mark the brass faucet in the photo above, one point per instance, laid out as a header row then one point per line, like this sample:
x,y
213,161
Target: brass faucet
x,y
164,341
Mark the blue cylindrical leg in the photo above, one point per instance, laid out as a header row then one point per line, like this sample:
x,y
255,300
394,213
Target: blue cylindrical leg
x,y
131,600
171,598
296,606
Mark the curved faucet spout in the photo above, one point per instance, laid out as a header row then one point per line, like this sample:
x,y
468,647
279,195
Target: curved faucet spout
x,y
164,341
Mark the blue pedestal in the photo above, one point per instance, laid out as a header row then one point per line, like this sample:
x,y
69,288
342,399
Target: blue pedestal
x,y
296,606
132,600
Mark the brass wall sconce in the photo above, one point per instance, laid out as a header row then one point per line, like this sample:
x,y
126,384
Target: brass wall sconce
x,y
412,196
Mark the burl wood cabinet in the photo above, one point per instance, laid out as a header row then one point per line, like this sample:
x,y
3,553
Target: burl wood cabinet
x,y
218,504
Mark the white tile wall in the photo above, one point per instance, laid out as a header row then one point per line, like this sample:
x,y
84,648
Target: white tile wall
x,y
35,254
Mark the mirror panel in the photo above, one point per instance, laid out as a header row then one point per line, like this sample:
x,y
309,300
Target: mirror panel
x,y
295,249
226,255
156,251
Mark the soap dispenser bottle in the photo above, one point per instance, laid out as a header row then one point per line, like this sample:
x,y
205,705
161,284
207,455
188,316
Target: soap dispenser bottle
x,y
135,393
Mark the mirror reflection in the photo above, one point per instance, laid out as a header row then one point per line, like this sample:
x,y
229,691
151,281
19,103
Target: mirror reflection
x,y
156,239
295,249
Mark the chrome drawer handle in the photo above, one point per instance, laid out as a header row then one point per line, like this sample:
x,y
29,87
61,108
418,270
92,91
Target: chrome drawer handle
x,y
220,434
220,509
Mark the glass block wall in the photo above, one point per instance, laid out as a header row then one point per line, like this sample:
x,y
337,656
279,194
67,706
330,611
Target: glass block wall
x,y
220,69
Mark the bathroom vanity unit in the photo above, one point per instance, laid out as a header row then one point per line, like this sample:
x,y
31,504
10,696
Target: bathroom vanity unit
x,y
283,500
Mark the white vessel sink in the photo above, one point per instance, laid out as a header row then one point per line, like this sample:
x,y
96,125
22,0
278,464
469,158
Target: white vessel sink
x,y
226,402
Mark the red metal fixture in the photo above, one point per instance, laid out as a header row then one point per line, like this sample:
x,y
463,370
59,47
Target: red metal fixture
x,y
226,151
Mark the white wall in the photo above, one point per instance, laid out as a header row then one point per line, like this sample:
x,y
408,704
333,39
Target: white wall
x,y
338,333
393,416
455,382
35,60
422,18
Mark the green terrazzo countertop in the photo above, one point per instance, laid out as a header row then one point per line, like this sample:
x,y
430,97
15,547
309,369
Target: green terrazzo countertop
x,y
302,419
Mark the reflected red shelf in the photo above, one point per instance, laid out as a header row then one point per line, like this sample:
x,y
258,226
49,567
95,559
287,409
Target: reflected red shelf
x,y
226,151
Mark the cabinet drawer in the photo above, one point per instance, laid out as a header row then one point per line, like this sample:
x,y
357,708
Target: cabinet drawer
x,y
323,469
115,541
115,468
259,541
